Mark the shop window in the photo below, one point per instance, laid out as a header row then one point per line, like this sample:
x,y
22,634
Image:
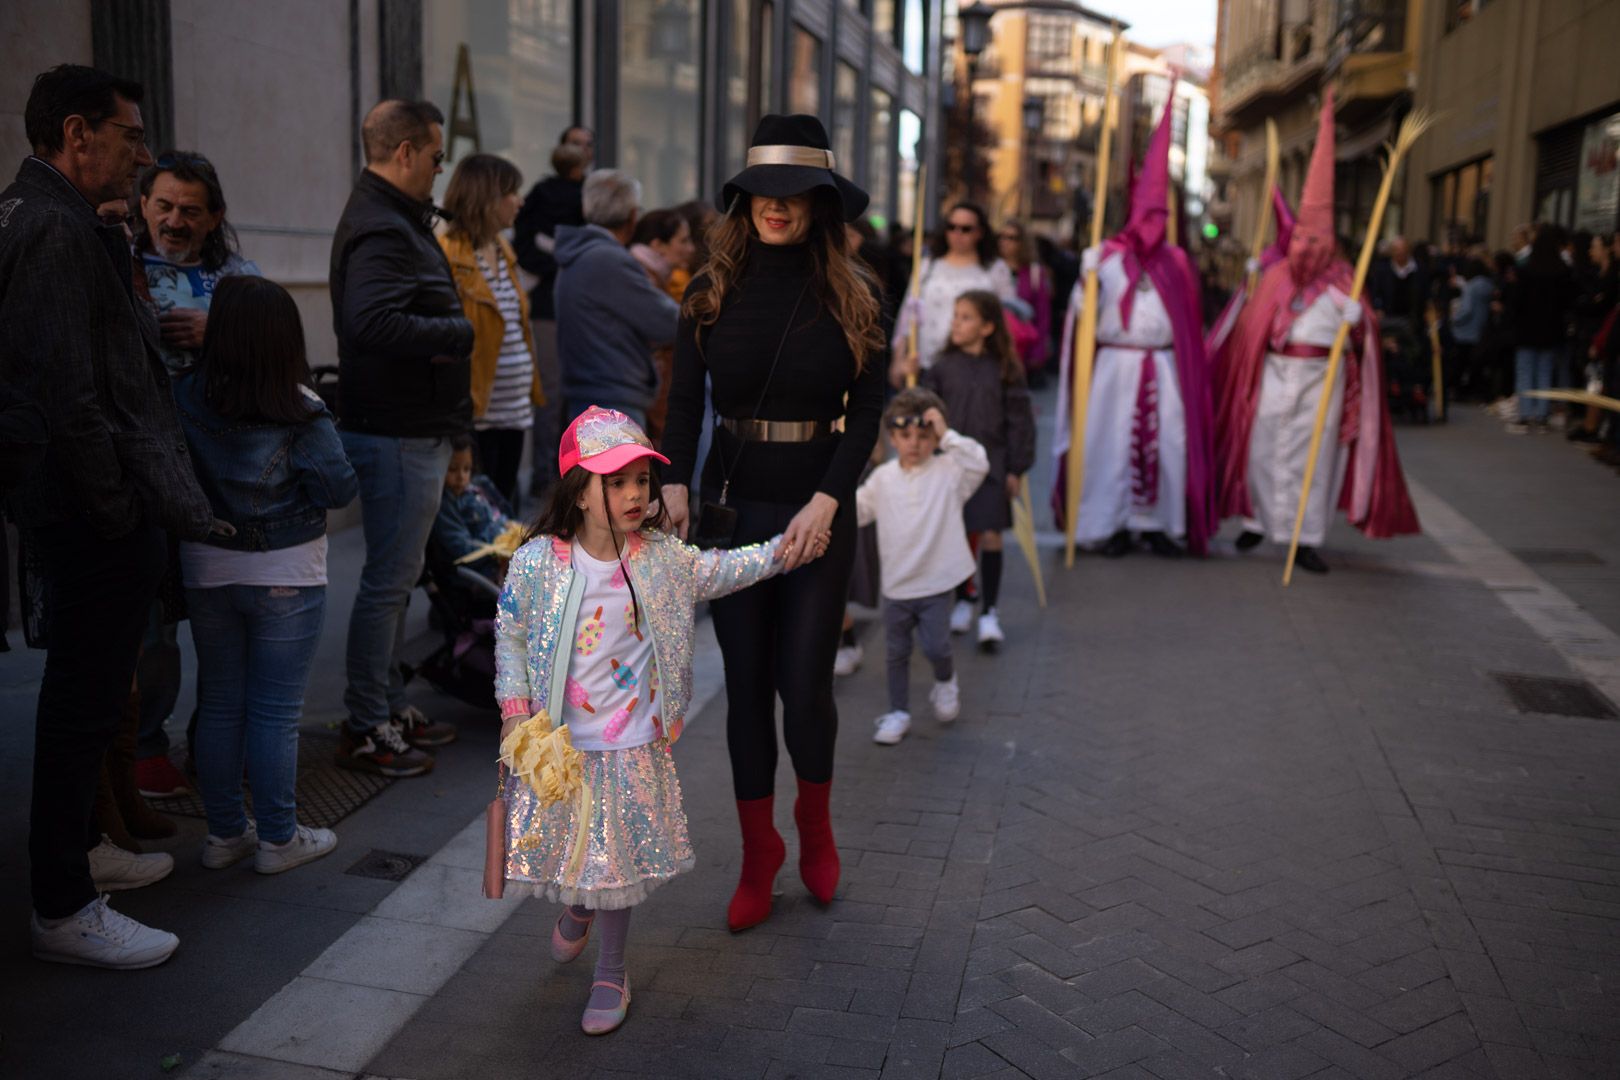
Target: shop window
x,y
659,110
910,147
736,119
516,88
765,48
883,23
804,73
914,36
1597,179
846,101
880,154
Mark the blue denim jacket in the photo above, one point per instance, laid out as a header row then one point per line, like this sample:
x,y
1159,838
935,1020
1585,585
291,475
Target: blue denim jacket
x,y
273,482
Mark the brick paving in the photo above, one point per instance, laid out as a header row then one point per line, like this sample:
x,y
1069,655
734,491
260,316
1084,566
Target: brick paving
x,y
1189,825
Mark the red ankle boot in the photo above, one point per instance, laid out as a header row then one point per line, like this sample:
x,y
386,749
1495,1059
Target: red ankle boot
x,y
763,854
818,854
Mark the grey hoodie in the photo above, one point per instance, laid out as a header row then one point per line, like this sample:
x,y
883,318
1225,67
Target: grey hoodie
x,y
609,318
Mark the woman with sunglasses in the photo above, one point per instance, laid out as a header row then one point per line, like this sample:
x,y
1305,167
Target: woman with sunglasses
x,y
963,259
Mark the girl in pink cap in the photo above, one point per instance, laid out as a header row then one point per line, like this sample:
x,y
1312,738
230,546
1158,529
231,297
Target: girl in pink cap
x,y
593,670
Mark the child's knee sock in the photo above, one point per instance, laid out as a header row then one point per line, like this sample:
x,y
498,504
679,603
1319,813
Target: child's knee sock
x,y
989,577
944,668
612,929
576,927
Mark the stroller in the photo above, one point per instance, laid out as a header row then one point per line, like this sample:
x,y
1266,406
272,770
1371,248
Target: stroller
x,y
461,602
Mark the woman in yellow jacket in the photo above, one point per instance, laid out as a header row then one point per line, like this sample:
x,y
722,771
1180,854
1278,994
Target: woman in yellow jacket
x,y
483,198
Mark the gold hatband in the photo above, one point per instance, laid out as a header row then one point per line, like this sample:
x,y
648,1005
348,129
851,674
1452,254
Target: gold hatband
x,y
791,155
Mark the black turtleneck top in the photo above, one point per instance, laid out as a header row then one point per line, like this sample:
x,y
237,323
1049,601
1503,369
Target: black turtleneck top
x,y
813,377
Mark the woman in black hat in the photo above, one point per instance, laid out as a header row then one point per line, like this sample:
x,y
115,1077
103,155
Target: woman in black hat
x,y
788,329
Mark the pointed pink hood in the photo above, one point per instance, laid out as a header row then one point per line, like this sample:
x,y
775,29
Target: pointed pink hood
x,y
1313,245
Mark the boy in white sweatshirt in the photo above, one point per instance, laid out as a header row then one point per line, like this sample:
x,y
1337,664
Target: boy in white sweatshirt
x,y
916,499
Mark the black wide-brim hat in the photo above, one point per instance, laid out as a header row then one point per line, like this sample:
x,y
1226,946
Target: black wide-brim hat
x,y
790,155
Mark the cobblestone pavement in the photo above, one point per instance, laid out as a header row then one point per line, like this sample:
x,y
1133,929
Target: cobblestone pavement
x,y
1190,824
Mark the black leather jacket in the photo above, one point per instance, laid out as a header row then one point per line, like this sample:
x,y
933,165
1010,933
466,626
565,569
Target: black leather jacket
x,y
74,340
404,346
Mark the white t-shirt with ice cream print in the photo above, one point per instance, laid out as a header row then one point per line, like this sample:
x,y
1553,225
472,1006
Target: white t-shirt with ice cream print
x,y
612,689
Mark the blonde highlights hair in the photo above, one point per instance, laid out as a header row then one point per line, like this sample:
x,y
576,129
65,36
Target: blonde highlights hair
x,y
478,184
843,285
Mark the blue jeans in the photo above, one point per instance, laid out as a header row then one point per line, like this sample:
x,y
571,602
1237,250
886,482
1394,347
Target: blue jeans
x,y
255,645
1533,370
401,481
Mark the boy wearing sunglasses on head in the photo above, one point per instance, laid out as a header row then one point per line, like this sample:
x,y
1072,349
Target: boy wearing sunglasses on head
x,y
916,498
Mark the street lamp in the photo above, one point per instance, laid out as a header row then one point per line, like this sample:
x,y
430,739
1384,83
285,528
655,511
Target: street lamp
x,y
975,24
1034,118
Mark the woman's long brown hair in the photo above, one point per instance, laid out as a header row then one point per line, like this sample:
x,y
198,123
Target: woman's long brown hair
x,y
845,287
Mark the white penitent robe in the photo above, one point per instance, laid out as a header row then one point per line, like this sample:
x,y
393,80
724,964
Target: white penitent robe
x,y
1108,501
1290,390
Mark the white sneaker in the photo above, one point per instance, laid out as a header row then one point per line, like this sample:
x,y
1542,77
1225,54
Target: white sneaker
x,y
990,634
306,845
218,853
892,727
113,869
848,660
961,616
946,698
97,936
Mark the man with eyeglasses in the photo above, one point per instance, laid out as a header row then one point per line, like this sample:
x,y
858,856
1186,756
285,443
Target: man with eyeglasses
x,y
185,246
404,368
115,486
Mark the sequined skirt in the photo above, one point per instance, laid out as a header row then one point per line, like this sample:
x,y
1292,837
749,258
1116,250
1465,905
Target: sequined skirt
x,y
638,837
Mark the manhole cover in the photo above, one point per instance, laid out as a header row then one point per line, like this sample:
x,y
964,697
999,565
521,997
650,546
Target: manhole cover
x,y
1559,697
1558,557
326,794
385,865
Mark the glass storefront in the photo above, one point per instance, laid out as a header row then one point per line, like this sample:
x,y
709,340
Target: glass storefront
x,y
914,37
735,122
804,72
910,158
659,109
880,154
846,103
516,85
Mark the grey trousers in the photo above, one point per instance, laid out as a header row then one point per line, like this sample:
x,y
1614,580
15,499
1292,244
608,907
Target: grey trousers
x,y
930,616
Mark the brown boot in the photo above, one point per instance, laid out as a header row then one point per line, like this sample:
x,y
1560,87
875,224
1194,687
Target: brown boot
x,y
139,818
108,820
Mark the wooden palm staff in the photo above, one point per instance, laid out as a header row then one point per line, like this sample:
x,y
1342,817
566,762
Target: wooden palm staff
x,y
1412,128
1437,368
1023,513
1272,155
916,266
1085,341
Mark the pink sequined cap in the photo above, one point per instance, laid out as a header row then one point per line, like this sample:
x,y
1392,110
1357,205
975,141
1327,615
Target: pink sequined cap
x,y
603,441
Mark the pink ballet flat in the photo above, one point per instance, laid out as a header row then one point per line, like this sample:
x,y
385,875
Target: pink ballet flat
x,y
563,950
602,1021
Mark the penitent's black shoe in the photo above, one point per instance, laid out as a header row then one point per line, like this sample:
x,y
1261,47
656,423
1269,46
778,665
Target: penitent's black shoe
x,y
1308,559
1162,546
1249,541
1118,545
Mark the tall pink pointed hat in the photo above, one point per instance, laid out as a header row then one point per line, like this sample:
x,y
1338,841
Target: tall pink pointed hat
x,y
1144,231
1284,215
1315,223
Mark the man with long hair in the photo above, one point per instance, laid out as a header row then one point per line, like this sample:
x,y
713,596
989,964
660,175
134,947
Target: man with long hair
x,y
185,246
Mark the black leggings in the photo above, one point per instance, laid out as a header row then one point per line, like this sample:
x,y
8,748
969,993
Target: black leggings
x,y
778,639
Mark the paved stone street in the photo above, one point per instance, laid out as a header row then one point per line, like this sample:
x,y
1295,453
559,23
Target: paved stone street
x,y
1190,824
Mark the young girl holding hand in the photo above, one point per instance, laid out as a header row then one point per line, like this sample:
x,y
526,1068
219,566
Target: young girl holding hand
x,y
593,670
981,381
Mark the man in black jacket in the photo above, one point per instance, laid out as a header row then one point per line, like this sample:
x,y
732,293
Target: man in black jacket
x,y
403,364
116,478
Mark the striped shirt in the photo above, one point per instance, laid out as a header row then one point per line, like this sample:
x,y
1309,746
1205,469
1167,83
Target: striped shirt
x,y
509,405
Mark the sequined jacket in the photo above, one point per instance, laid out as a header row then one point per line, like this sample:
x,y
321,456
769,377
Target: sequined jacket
x,y
540,603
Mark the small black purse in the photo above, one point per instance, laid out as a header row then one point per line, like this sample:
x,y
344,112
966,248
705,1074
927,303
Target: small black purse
x,y
716,525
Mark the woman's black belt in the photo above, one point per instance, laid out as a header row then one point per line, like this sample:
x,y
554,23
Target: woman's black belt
x,y
780,431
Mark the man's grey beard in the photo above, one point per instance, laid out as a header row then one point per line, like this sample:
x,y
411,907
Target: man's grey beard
x,y
183,254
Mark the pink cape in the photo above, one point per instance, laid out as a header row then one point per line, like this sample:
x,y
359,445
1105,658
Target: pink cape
x,y
1374,498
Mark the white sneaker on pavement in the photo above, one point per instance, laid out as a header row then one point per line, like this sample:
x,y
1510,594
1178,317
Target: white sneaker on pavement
x,y
114,869
306,845
990,634
220,852
848,660
946,698
892,727
97,936
961,616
